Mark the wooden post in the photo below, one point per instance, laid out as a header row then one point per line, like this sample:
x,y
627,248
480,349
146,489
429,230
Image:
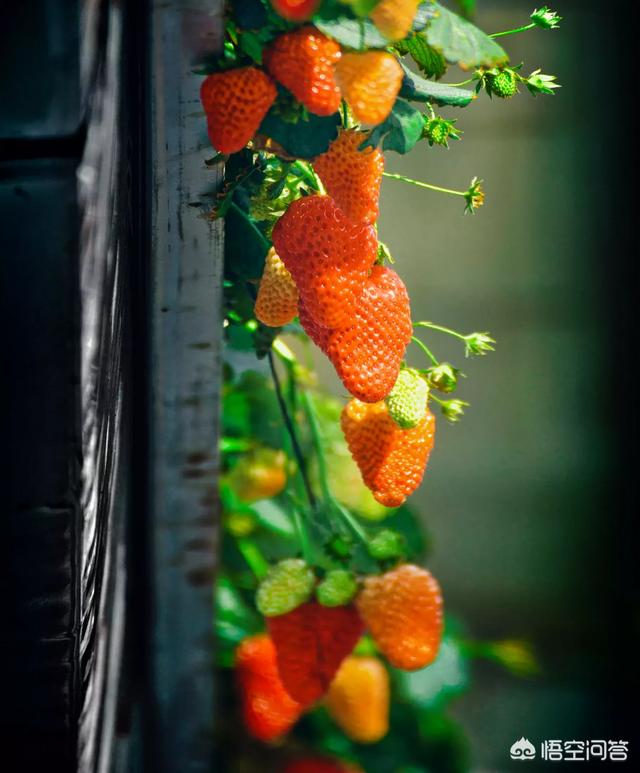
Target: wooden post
x,y
185,374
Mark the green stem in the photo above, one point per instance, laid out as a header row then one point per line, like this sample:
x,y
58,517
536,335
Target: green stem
x,y
425,349
441,329
462,83
297,450
303,535
252,555
351,521
312,418
308,172
421,184
513,31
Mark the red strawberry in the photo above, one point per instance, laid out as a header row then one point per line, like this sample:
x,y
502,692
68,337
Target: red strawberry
x,y
303,61
268,710
318,334
392,460
352,176
235,102
295,10
329,257
367,355
311,642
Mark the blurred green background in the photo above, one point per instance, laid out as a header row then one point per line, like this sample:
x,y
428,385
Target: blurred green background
x,y
517,496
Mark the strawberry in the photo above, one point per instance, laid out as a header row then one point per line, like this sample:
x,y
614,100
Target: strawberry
x,y
368,354
295,10
394,18
259,474
303,61
267,708
235,102
318,334
338,587
351,176
287,585
392,461
370,83
328,256
407,401
277,301
320,765
403,610
311,642
358,699
503,83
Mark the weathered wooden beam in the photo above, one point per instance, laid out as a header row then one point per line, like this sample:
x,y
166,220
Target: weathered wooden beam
x,y
185,374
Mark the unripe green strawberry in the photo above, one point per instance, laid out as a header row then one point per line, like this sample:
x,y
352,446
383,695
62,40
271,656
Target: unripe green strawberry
x,y
407,401
338,587
443,377
287,585
503,84
386,544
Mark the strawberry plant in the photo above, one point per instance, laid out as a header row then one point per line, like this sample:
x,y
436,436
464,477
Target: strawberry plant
x,y
332,638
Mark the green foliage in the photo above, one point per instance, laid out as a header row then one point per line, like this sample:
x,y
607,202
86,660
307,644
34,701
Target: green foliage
x,y
430,61
358,34
419,89
306,138
400,131
462,43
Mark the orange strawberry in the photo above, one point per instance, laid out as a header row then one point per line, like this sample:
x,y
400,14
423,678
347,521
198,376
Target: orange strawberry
x,y
268,710
320,765
403,610
358,699
303,61
235,102
311,642
392,460
352,176
277,301
295,10
367,355
328,255
370,83
394,18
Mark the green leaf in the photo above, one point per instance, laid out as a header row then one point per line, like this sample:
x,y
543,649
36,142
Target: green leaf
x,y
272,516
304,139
234,618
245,247
461,42
430,61
400,131
362,33
353,33
252,46
419,89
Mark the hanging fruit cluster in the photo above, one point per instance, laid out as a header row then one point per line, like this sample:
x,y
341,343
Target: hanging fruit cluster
x,y
301,106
